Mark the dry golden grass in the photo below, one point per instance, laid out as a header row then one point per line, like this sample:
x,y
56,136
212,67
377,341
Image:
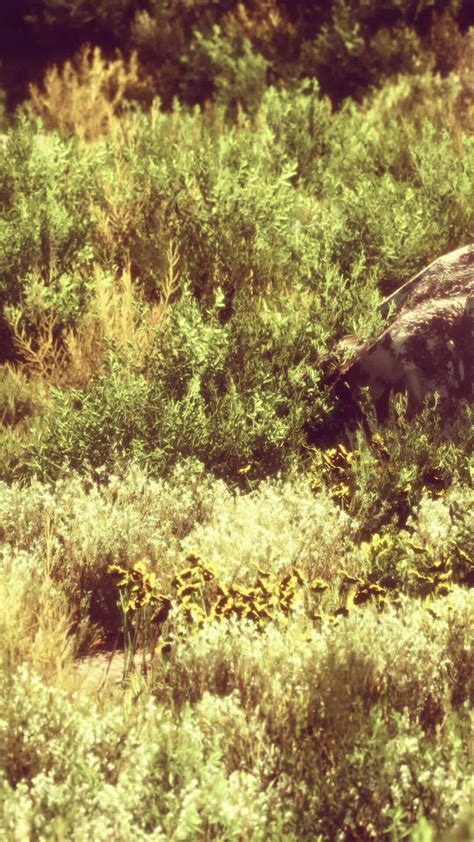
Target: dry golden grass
x,y
86,95
123,200
40,351
35,621
117,318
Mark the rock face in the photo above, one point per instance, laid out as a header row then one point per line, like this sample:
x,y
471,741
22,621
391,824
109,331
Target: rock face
x,y
429,343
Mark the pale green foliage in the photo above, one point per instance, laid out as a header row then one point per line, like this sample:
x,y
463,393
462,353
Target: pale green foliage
x,y
44,221
335,691
238,73
246,748
280,525
85,527
135,771
36,617
245,719
413,674
450,517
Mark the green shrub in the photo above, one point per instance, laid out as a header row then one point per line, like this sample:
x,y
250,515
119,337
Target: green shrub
x,y
414,199
45,197
349,47
22,400
346,716
302,728
233,72
293,198
36,619
84,528
360,199
217,191
193,49
226,394
407,460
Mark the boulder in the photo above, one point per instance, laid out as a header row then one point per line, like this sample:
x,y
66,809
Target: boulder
x,y
427,347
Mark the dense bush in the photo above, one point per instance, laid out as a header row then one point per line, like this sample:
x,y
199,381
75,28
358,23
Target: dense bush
x,y
382,480
187,228
263,738
45,198
236,241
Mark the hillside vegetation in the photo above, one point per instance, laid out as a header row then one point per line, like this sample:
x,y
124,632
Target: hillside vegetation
x,y
187,227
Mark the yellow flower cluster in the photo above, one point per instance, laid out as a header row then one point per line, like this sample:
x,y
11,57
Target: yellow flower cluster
x,y
138,588
357,591
434,574
332,467
204,598
200,597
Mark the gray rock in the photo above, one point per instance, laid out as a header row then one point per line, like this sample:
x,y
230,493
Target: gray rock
x,y
428,345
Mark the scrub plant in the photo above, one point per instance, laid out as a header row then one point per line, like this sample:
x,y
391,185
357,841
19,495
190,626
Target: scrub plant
x,y
85,96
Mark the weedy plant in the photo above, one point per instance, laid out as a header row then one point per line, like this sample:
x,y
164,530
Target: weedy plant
x,y
85,96
143,610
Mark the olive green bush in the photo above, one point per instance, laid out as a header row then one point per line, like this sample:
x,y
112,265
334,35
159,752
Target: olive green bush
x,y
235,74
273,200
22,400
390,476
266,204
201,392
269,218
348,46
